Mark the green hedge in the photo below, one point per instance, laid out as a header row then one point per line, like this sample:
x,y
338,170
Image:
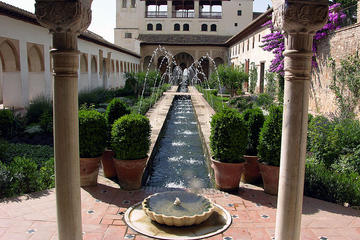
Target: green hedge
x,y
328,185
7,123
39,105
254,120
116,109
229,136
92,133
216,102
130,137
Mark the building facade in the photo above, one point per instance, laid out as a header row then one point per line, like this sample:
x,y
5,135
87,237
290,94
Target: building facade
x,y
25,63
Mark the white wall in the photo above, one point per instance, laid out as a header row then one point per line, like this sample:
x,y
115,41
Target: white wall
x,y
20,87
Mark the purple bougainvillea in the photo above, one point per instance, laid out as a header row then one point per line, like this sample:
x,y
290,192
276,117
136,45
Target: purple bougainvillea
x,y
274,41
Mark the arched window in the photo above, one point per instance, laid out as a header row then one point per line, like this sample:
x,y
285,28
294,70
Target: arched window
x,y
149,27
186,27
124,3
213,27
133,4
204,27
176,27
158,27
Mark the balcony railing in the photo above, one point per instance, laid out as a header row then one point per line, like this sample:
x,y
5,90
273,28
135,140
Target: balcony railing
x,y
156,14
177,14
210,14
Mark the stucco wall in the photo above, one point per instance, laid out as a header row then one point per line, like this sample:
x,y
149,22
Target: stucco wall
x,y
337,46
21,84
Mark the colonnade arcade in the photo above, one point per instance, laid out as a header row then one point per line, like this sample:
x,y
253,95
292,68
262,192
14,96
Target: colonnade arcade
x,y
298,19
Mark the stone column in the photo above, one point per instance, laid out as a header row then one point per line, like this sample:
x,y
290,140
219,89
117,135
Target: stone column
x,y
66,26
169,8
299,20
197,8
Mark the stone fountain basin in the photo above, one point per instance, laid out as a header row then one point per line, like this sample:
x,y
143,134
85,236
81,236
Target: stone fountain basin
x,y
193,209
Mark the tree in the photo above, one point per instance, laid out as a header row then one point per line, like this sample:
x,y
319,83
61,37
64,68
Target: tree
x,y
232,78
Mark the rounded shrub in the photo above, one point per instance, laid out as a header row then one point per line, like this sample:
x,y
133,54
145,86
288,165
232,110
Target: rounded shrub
x,y
254,120
130,137
115,110
229,136
37,107
269,148
6,123
92,133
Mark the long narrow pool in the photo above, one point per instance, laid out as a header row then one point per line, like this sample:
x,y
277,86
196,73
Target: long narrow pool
x,y
180,161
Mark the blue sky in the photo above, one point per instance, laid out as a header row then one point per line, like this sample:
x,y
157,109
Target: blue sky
x,y
103,22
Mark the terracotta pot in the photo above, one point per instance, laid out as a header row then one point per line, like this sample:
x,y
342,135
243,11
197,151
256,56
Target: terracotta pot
x,y
227,175
270,176
108,164
89,170
252,170
130,172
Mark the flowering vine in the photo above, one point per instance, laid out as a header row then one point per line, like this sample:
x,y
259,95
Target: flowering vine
x,y
274,41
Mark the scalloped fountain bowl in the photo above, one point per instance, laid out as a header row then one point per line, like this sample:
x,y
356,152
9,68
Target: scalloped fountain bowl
x,y
178,208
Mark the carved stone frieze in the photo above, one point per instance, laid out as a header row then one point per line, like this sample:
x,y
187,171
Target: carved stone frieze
x,y
64,16
300,17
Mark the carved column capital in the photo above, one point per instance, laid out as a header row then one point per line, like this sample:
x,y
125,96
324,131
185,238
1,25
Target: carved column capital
x,y
64,16
300,16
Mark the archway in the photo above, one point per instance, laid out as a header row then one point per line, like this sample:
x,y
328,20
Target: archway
x,y
1,80
218,61
11,79
83,79
203,68
94,74
184,60
104,75
36,77
162,64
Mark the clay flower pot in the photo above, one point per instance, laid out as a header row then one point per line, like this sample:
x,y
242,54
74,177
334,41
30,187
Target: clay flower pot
x,y
89,170
252,170
108,163
130,172
270,176
227,175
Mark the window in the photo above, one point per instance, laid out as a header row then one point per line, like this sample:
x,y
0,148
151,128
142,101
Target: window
x,y
248,44
128,35
158,27
213,27
253,42
176,27
204,27
259,37
186,27
149,27
133,4
243,47
124,3
235,24
239,12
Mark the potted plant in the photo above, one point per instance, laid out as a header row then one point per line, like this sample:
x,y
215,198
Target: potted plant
x,y
228,141
130,140
92,141
269,149
116,109
254,120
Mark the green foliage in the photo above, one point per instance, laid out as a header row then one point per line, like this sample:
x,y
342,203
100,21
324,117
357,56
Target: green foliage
x,y
281,86
254,120
92,133
135,82
253,75
229,136
37,107
38,153
232,78
269,147
346,85
5,180
270,84
325,184
216,102
46,122
7,123
130,137
264,100
318,135
116,109
244,102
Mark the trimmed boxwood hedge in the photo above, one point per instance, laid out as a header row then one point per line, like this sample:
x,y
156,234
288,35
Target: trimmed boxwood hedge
x,y
229,136
130,137
254,120
115,110
269,148
6,123
92,133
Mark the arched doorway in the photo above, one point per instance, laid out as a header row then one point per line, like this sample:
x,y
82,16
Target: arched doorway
x,y
218,61
1,80
94,77
203,68
36,75
83,80
184,60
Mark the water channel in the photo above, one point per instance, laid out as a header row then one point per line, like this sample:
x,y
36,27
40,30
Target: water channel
x,y
180,161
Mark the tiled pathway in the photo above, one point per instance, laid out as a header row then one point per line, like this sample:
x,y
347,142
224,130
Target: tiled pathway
x,y
103,207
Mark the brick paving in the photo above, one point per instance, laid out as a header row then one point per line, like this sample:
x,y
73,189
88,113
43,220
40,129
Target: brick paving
x,y
103,206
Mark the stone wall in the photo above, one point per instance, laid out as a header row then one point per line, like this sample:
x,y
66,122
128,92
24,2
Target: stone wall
x,y
337,46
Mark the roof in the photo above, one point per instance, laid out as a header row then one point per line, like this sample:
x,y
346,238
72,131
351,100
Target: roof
x,y
252,27
256,15
23,15
182,39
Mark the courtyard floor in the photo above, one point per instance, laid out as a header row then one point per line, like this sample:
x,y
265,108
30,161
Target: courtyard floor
x,y
33,216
